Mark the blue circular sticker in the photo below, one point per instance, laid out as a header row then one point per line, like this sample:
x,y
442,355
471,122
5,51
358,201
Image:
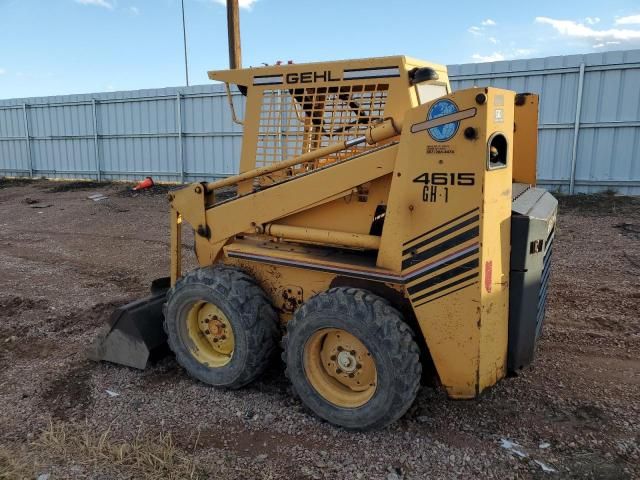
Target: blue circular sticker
x,y
441,108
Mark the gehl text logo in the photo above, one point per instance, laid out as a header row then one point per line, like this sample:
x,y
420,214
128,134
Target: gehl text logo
x,y
311,77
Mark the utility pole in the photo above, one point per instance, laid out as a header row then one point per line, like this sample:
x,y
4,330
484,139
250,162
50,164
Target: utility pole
x,y
184,39
233,27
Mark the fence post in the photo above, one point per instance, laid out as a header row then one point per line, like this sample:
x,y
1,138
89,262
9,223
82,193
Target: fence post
x,y
179,132
576,131
27,138
94,110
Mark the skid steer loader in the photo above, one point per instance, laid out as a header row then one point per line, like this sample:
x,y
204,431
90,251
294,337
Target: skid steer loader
x,y
385,223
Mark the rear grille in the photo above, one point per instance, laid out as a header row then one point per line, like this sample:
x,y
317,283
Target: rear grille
x,y
544,283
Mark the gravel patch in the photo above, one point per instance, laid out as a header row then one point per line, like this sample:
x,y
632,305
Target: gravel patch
x,y
574,414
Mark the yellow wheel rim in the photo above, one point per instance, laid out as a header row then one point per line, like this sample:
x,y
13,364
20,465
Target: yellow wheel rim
x,y
211,335
340,367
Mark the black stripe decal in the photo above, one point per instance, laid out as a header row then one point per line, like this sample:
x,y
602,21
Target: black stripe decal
x,y
376,276
260,80
444,233
448,293
449,274
445,287
447,263
377,76
440,226
369,68
351,273
441,247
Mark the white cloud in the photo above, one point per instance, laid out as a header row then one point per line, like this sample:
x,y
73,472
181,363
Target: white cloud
x,y
480,31
248,4
97,3
2,71
569,28
510,54
494,40
605,44
492,57
522,52
134,10
592,20
630,20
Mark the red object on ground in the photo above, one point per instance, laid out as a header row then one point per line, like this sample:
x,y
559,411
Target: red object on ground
x,y
146,183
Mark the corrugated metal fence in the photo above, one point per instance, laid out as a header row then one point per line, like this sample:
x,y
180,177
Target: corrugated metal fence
x,y
589,124
174,134
589,132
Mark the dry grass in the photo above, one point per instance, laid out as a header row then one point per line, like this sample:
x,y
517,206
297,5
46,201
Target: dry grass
x,y
16,465
145,456
62,445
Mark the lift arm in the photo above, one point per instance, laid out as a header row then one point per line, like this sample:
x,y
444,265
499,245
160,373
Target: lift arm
x,y
214,223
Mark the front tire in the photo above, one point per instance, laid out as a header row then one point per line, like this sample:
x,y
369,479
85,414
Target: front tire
x,y
352,359
221,326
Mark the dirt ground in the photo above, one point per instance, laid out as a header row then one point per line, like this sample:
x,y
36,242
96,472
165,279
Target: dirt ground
x,y
66,261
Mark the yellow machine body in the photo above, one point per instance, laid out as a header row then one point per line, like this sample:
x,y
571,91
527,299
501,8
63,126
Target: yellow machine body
x,y
374,174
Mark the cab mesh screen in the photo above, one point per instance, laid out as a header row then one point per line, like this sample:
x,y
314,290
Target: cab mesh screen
x,y
296,121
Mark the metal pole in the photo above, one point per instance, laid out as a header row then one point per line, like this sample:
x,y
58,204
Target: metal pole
x,y
184,40
96,149
179,131
576,131
25,119
233,28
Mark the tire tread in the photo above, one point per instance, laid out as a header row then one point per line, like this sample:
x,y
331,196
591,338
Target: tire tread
x,y
247,298
385,322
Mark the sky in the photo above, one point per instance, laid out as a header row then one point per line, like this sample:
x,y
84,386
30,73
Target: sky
x,y
55,47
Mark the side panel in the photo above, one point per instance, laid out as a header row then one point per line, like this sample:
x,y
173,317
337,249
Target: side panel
x,y
533,228
447,229
525,139
496,246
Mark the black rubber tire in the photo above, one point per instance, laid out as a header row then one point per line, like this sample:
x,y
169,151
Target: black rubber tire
x,y
252,317
388,338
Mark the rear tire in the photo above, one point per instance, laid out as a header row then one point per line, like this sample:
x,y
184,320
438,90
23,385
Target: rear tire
x,y
221,326
355,337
